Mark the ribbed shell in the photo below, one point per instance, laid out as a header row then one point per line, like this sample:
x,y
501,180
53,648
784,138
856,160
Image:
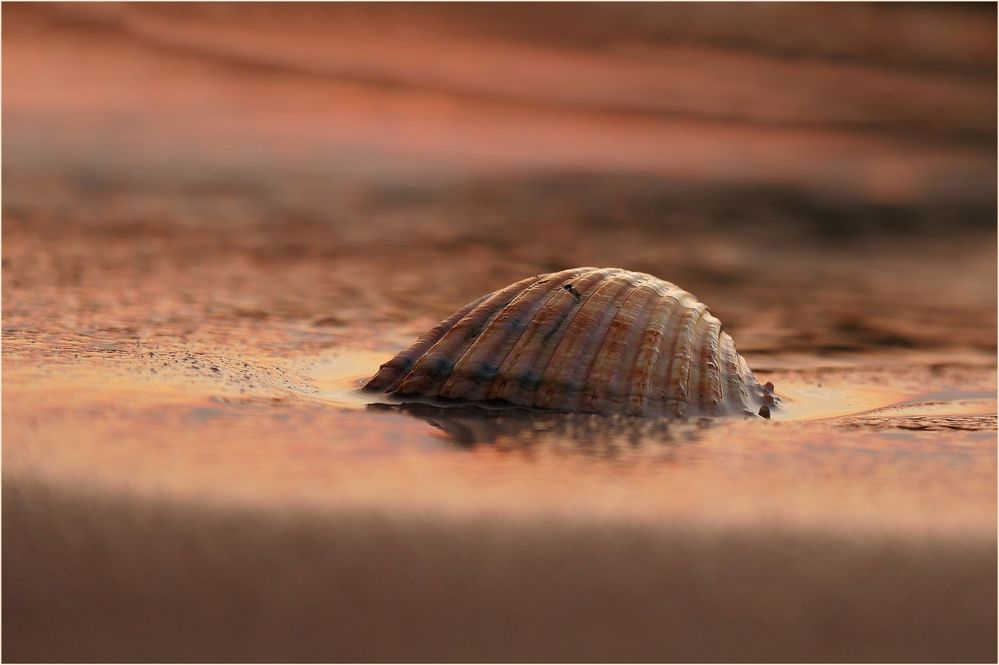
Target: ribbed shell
x,y
594,340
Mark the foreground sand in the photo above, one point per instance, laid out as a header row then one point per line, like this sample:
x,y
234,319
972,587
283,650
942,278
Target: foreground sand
x,y
94,576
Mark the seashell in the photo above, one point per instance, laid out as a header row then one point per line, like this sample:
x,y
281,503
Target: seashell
x,y
605,340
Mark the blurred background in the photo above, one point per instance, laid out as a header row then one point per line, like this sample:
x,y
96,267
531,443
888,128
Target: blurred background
x,y
888,105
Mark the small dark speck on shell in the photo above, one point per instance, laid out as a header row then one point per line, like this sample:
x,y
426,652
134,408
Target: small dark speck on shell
x,y
575,294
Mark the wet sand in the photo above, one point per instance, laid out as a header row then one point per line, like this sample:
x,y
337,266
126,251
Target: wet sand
x,y
208,245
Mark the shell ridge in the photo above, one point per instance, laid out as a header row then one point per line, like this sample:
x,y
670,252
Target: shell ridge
x,y
602,336
505,373
655,396
714,366
685,382
521,374
552,374
619,367
395,369
595,280
737,396
681,313
461,368
650,350
418,376
748,380
702,370
631,367
483,330
694,360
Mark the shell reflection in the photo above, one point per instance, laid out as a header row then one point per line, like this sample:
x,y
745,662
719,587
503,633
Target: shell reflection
x,y
605,341
469,425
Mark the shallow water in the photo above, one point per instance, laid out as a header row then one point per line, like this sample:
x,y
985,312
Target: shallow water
x,y
193,293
